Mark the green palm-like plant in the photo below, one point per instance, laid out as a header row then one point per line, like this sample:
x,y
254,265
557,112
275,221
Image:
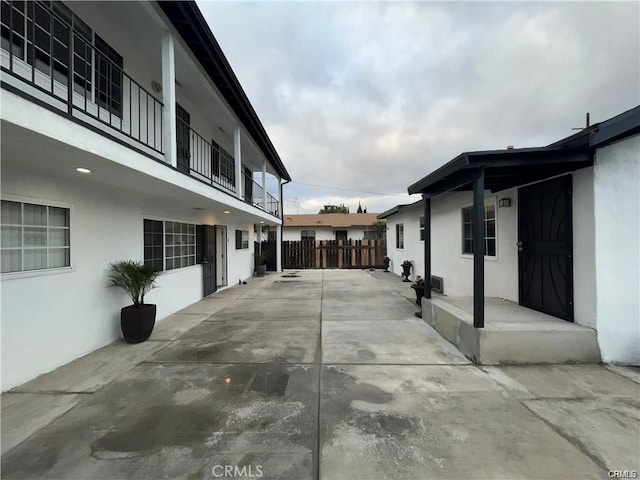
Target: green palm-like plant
x,y
135,278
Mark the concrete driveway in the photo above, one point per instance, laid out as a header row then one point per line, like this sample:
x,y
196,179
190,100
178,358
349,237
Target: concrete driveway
x,y
323,374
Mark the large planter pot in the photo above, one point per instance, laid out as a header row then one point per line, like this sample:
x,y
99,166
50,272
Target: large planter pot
x,y
406,271
137,322
261,270
419,293
386,265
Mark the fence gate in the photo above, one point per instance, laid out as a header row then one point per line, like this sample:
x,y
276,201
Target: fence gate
x,y
333,254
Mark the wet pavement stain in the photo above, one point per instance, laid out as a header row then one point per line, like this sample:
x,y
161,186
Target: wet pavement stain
x,y
383,425
271,382
159,426
366,355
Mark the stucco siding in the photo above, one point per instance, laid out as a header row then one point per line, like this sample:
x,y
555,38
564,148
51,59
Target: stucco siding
x,y
617,251
50,318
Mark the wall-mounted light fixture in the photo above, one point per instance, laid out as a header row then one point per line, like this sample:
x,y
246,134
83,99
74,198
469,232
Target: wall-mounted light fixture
x,y
504,202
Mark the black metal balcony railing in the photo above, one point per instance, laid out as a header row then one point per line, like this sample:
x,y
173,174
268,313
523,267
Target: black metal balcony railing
x,y
51,55
204,160
59,57
254,194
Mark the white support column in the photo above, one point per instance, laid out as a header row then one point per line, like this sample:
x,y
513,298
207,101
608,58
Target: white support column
x,y
264,185
237,155
169,100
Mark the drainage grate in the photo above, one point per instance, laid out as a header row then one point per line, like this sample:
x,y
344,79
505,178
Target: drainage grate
x,y
291,275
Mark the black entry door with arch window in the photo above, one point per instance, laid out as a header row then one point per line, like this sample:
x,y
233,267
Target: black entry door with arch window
x,y
545,247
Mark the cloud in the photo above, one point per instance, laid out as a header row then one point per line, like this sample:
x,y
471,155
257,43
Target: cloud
x,y
372,96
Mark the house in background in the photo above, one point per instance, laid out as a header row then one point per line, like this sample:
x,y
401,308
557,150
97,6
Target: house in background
x,y
405,237
125,135
330,226
538,248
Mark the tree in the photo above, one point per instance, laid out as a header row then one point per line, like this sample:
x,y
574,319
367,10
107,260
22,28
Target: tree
x,y
359,208
379,230
334,209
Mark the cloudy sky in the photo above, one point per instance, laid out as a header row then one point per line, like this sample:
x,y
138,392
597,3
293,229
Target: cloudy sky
x,y
369,97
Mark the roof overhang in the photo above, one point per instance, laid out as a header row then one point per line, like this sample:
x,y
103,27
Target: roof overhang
x,y
194,30
396,209
502,169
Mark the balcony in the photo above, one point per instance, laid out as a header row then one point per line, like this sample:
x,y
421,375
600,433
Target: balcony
x,y
66,69
254,194
50,56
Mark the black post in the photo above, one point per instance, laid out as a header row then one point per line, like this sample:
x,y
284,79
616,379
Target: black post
x,y
478,251
426,201
69,69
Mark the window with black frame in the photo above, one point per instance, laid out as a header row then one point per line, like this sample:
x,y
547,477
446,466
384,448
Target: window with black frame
x,y
242,239
489,230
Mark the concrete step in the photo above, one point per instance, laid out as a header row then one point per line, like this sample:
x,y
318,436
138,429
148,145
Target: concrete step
x,y
512,334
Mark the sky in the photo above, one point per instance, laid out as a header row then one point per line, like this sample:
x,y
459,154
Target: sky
x,y
369,97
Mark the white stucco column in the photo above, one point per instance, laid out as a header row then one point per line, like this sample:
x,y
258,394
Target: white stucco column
x,y
237,156
169,100
264,185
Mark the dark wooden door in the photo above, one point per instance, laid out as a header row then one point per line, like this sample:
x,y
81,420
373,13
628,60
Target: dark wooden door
x,y
209,259
545,246
183,140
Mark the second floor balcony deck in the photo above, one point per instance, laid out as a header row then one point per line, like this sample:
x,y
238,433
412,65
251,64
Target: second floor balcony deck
x,y
52,57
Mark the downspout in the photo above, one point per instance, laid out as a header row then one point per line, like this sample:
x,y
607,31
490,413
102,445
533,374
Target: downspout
x,y
282,221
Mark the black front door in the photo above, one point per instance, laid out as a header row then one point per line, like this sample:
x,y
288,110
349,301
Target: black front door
x,y
183,142
546,247
208,259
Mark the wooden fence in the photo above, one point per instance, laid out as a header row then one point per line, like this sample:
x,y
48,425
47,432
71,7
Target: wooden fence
x,y
333,254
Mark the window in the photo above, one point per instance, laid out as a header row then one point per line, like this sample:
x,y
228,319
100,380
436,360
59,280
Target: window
x,y
169,245
489,230
242,239
399,235
34,237
308,235
153,244
422,228
223,164
370,235
108,77
180,245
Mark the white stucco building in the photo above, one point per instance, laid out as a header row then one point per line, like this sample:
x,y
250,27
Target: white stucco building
x,y
125,135
405,237
329,226
559,229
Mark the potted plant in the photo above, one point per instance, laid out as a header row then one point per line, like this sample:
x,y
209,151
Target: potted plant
x,y
261,263
386,261
136,279
419,287
406,270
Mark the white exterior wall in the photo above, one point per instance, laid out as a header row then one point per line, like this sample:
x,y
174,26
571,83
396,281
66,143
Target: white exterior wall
x,y
413,247
617,251
456,269
49,319
322,233
584,266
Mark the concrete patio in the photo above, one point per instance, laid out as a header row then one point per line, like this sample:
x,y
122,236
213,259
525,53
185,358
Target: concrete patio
x,y
323,374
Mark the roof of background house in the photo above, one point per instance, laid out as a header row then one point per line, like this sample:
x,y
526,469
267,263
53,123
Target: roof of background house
x,y
194,30
512,167
334,220
397,209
